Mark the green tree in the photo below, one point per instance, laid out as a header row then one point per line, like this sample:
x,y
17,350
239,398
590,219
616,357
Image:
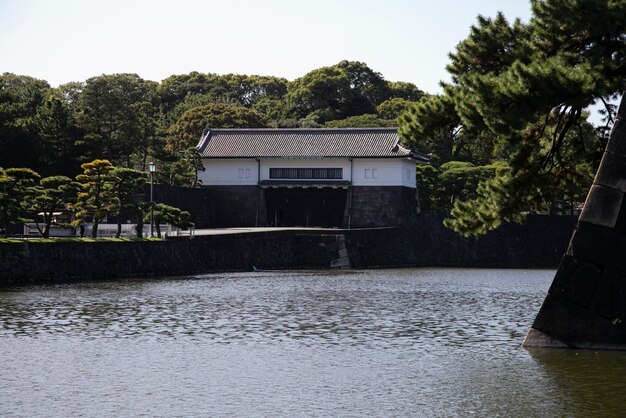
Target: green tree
x,y
404,90
274,111
428,187
441,187
459,179
391,109
524,86
16,192
54,194
127,189
361,121
97,198
175,89
165,214
182,172
368,87
118,114
432,127
20,96
189,102
246,90
324,92
53,121
188,128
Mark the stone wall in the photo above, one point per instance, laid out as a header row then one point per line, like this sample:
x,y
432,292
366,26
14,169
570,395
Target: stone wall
x,y
196,201
539,243
44,262
236,206
213,206
233,206
374,206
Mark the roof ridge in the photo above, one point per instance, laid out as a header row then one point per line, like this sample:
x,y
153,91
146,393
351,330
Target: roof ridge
x,y
303,142
303,129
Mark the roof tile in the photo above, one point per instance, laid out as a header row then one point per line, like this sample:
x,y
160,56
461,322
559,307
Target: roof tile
x,y
303,143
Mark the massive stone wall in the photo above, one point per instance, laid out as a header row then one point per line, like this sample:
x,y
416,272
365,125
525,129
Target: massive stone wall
x,y
374,206
245,206
41,262
196,201
214,206
233,206
537,244
586,304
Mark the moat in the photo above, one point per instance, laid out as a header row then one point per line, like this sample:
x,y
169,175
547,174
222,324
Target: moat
x,y
409,342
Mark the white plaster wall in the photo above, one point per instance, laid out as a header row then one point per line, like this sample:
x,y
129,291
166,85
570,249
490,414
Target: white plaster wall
x,y
229,172
366,171
408,173
383,172
344,163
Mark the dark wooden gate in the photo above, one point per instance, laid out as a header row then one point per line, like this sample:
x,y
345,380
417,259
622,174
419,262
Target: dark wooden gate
x,y
311,207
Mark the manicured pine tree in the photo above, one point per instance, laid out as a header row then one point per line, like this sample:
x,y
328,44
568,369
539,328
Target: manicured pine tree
x,y
97,198
127,186
54,194
16,192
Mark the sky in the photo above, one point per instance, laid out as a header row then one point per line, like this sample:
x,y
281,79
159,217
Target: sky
x,y
71,40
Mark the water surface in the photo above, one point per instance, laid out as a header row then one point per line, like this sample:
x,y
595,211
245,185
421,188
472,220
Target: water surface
x,y
414,342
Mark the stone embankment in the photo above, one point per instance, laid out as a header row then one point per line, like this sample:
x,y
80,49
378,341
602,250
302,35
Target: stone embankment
x,y
540,243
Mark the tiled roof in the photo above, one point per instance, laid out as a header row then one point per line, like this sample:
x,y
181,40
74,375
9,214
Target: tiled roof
x,y
304,143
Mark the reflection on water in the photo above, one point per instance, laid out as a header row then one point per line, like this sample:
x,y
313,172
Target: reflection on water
x,y
437,342
594,380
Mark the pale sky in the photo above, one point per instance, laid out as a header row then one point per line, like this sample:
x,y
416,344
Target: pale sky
x,y
71,40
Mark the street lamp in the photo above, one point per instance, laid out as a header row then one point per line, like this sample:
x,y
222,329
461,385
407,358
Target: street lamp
x,y
152,167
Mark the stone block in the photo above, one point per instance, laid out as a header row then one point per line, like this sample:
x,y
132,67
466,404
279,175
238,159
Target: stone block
x,y
576,280
335,246
599,245
340,262
602,206
537,339
374,206
610,298
620,225
617,141
578,327
612,172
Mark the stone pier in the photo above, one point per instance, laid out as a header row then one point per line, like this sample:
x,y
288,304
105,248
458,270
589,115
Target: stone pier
x,y
586,304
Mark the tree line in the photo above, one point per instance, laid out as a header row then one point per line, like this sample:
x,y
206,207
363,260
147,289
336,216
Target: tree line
x,y
129,121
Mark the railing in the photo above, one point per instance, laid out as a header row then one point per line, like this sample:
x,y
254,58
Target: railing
x,y
108,231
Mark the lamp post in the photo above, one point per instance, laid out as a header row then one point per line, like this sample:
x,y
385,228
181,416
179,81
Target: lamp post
x,y
152,168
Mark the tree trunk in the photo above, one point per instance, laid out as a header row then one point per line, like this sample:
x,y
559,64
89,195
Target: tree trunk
x,y
46,229
158,229
119,225
47,221
94,229
139,227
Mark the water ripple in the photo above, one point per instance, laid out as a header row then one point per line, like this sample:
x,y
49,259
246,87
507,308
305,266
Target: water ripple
x,y
369,307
